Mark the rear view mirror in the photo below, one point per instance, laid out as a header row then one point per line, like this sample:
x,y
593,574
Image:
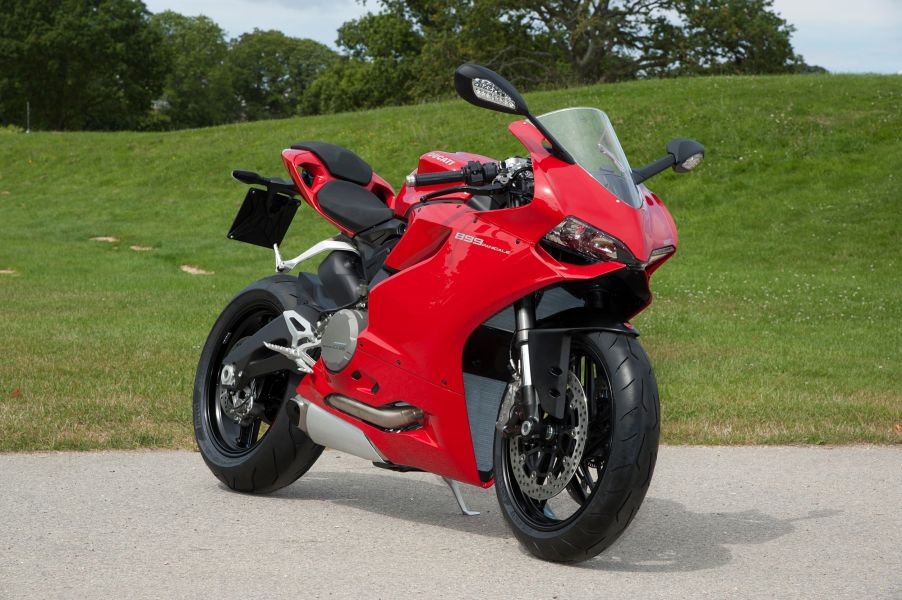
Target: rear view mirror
x,y
687,154
486,89
683,155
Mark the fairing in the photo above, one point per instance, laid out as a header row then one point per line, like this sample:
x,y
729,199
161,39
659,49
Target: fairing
x,y
454,268
588,136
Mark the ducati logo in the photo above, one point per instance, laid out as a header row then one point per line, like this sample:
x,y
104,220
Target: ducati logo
x,y
477,241
441,159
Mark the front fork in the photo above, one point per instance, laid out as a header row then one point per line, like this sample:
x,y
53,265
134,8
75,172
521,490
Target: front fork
x,y
524,419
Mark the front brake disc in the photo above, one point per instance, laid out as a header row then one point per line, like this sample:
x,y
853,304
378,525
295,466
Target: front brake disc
x,y
542,486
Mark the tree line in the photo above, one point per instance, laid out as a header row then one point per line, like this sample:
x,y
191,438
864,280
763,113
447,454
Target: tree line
x,y
111,64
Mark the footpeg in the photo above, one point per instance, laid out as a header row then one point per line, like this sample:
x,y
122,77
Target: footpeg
x,y
298,355
455,489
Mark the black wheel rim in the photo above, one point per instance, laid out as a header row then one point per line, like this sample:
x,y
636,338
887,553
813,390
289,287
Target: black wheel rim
x,y
563,509
239,438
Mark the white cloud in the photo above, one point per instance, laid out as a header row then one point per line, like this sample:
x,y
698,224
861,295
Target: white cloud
x,y
854,15
843,36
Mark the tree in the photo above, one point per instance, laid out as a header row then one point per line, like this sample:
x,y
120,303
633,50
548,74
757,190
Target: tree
x,y
271,72
734,37
378,68
588,41
198,89
482,31
602,40
609,40
82,64
408,51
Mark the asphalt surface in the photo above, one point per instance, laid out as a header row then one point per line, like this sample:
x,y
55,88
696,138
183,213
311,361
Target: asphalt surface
x,y
717,523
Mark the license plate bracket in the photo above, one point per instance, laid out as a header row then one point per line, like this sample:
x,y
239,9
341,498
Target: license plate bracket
x,y
264,218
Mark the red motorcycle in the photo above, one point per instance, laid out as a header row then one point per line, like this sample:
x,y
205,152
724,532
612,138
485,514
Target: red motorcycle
x,y
473,325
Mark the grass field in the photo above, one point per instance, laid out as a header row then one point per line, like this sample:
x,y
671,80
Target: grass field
x,y
777,322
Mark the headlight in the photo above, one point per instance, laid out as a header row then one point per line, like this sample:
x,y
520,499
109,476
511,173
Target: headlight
x,y
583,239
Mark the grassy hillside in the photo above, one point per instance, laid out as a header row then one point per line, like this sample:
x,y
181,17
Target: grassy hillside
x,y
778,321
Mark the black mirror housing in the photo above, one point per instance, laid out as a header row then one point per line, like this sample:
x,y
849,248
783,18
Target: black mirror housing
x,y
686,154
484,88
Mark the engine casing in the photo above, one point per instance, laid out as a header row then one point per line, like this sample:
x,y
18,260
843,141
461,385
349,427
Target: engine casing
x,y
339,341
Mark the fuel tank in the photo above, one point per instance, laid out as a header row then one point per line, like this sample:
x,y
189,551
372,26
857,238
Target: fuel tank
x,y
432,162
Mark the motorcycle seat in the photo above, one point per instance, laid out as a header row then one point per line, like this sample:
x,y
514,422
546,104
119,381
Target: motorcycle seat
x,y
340,162
351,206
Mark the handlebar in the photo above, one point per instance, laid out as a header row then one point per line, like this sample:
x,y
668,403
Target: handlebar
x,y
475,173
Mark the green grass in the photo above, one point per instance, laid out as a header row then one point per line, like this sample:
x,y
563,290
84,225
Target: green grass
x,y
777,322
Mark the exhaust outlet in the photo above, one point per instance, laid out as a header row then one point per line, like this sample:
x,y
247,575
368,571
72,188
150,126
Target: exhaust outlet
x,y
386,417
330,431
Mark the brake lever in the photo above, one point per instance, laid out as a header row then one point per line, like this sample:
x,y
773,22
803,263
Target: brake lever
x,y
463,189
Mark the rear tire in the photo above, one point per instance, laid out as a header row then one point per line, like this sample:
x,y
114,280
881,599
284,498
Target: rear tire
x,y
624,429
278,457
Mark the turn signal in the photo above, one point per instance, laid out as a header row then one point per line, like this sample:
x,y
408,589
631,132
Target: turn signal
x,y
660,253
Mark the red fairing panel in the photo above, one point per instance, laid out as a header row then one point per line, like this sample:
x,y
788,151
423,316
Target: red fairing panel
x,y
570,190
456,267
419,321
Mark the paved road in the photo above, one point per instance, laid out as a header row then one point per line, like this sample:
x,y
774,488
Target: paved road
x,y
718,523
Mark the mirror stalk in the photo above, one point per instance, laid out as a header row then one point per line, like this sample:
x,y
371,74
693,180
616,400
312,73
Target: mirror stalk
x,y
652,169
556,149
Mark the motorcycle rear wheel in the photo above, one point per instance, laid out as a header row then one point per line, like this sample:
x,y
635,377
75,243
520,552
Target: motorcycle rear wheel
x,y
616,465
267,452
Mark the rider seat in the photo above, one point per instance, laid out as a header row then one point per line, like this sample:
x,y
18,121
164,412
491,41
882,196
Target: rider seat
x,y
352,206
344,200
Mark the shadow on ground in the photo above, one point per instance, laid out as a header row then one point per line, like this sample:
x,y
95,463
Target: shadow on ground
x,y
664,537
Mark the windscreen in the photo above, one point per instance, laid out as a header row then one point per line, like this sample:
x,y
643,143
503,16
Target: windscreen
x,y
587,134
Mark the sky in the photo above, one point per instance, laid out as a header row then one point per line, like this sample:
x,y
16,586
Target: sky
x,y
864,36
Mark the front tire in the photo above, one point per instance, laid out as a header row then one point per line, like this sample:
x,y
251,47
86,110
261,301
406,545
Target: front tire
x,y
616,465
264,452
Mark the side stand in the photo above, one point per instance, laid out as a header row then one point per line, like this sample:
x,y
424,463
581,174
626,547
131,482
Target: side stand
x,y
455,489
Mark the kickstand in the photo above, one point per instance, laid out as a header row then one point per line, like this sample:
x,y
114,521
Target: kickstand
x,y
455,489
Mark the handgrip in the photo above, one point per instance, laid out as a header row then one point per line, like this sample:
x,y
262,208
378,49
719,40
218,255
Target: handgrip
x,y
475,173
418,179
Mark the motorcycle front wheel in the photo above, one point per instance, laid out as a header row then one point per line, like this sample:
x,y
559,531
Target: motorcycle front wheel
x,y
609,436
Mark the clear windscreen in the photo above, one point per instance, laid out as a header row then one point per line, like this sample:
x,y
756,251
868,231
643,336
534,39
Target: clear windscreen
x,y
587,134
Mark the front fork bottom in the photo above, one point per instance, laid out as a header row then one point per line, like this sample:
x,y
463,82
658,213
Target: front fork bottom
x,y
524,419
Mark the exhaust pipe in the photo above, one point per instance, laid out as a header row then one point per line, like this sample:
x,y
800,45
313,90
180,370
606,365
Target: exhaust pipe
x,y
386,417
326,429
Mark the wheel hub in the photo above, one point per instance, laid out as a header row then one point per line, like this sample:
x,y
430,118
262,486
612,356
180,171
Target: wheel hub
x,y
238,405
543,466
